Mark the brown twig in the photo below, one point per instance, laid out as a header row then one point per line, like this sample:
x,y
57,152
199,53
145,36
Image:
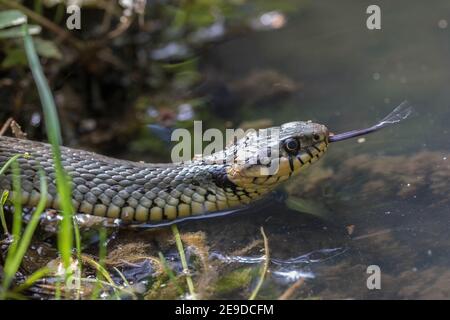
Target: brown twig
x,y
125,23
5,126
291,290
107,17
247,248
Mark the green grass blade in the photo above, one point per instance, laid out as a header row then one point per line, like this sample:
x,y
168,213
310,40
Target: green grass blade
x,y
58,289
77,240
101,270
12,295
6,193
17,216
9,162
35,276
14,258
170,273
3,199
78,250
10,18
51,117
180,248
65,236
125,281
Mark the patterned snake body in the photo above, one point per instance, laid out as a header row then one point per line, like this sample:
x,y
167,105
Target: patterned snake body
x,y
155,193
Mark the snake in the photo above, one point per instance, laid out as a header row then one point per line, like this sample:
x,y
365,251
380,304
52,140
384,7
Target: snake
x,y
169,192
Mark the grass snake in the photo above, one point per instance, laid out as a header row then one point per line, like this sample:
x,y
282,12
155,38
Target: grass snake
x,y
155,193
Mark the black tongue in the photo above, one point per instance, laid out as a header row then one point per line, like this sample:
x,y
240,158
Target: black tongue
x,y
403,111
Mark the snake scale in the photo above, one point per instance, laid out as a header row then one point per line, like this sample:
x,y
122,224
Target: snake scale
x,y
154,193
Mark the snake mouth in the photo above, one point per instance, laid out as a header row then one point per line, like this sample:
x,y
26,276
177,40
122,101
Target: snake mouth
x,y
316,151
307,156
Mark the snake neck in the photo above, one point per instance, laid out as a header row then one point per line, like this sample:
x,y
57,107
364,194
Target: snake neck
x,y
131,191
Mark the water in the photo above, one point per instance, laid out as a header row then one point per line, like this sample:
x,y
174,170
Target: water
x,y
389,205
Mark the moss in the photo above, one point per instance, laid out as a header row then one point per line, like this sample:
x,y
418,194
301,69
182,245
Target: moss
x,y
236,279
164,289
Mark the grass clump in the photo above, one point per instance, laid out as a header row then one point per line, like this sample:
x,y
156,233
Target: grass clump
x,y
20,242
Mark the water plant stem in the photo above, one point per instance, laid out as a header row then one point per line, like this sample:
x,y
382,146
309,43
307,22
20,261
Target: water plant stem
x,y
264,268
189,282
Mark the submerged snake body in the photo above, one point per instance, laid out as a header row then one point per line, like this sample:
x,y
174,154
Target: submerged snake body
x,y
155,193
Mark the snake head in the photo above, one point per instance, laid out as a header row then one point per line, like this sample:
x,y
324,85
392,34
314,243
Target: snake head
x,y
265,158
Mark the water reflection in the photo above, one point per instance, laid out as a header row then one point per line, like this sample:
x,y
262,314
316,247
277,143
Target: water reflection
x,y
289,270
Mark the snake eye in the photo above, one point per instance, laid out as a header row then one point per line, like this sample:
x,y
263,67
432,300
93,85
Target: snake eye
x,y
316,137
291,145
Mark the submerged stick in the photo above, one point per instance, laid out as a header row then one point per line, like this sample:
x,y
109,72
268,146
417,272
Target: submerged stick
x,y
403,111
292,289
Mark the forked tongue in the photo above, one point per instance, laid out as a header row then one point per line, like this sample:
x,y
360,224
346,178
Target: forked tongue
x,y
403,111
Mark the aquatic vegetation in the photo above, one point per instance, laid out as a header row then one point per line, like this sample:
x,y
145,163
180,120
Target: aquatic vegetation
x,y
382,177
235,280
